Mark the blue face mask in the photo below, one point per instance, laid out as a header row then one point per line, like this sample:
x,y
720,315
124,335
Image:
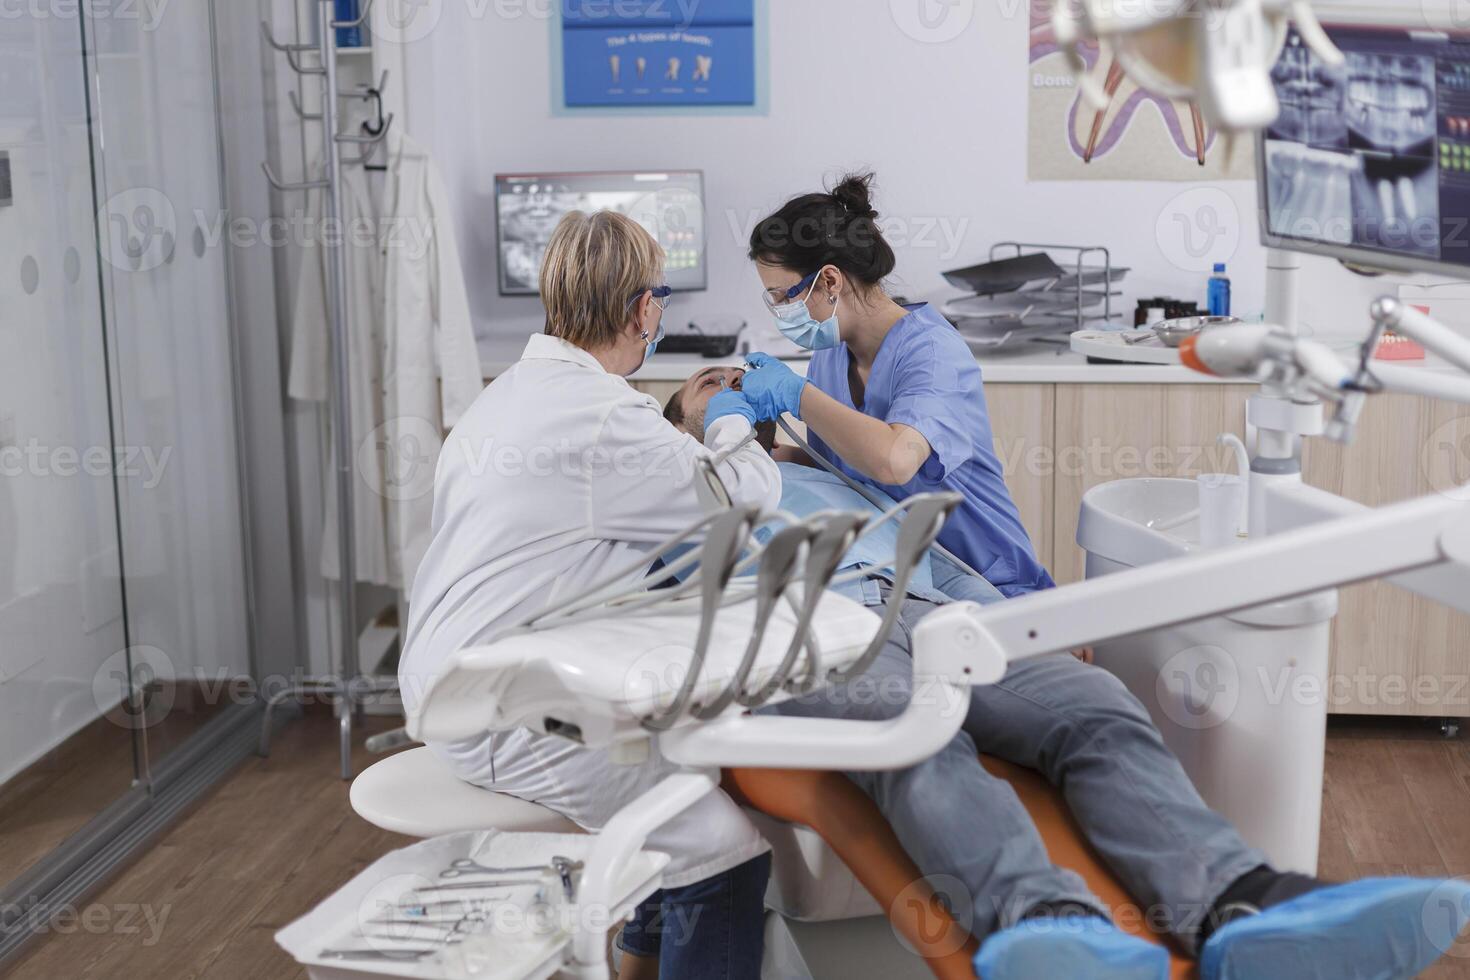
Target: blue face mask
x,y
797,324
652,344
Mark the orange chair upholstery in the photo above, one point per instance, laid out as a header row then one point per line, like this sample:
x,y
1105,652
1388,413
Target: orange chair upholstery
x,y
851,825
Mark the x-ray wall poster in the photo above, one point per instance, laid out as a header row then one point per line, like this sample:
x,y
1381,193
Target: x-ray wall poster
x,y
1138,136
658,53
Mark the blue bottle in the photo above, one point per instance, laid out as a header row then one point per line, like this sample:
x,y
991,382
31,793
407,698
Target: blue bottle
x,y
348,37
1219,297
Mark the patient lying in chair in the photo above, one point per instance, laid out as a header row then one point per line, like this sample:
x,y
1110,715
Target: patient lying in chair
x,y
1081,729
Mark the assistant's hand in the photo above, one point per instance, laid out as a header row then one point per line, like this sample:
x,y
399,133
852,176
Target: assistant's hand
x,y
772,387
729,402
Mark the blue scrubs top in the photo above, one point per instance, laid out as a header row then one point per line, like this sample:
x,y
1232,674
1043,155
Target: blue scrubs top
x,y
926,377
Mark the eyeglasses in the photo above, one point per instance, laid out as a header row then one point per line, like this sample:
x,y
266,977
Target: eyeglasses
x,y
658,293
776,295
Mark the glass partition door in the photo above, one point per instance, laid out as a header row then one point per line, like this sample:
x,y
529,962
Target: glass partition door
x,y
70,746
123,579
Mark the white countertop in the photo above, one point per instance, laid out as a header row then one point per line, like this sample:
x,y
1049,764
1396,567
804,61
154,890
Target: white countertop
x,y
1037,365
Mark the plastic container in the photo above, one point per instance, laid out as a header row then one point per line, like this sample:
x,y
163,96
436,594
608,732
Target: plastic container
x,y
1241,699
1219,297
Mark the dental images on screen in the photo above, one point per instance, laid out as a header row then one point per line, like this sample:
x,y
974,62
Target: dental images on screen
x,y
530,212
1351,159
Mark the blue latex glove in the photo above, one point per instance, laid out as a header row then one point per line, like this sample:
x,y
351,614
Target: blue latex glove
x,y
729,402
772,387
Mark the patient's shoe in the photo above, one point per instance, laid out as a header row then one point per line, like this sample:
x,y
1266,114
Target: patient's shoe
x,y
1072,946
1374,929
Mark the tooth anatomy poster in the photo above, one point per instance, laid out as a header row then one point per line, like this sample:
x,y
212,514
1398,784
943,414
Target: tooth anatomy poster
x,y
658,53
1138,136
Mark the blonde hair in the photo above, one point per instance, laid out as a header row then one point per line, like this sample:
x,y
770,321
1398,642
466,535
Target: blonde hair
x,y
595,265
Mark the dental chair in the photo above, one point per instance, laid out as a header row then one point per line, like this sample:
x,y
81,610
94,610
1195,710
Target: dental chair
x,y
587,673
829,912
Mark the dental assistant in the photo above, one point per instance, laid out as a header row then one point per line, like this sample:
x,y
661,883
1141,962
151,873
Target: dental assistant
x,y
893,395
559,475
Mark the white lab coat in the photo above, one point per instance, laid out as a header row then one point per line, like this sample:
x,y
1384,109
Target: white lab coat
x,y
410,327
559,475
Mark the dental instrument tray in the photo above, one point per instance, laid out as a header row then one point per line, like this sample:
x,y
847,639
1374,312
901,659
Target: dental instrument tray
x,y
1030,296
512,921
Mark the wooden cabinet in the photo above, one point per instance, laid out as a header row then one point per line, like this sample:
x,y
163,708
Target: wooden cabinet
x,y
1122,432
1395,653
1023,423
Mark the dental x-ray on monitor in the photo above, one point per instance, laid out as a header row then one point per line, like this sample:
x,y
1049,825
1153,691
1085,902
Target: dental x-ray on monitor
x,y
1369,161
670,204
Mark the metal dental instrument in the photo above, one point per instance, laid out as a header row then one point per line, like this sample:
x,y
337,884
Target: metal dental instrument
x,y
391,955
468,866
564,868
775,574
722,547
823,556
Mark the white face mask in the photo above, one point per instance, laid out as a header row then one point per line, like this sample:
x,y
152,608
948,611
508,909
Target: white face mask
x,y
797,324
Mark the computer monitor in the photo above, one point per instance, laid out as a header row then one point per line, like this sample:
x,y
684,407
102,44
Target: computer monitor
x,y
670,204
1369,162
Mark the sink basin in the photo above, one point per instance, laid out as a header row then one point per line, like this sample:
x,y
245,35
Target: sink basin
x,y
1139,522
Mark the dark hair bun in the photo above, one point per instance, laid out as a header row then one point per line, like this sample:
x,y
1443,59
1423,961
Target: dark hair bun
x,y
854,193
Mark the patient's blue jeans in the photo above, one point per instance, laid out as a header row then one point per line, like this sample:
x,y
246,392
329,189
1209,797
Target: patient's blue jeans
x,y
1079,727
711,929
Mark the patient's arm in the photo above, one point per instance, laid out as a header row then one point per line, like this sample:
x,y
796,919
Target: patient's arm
x,y
792,454
843,815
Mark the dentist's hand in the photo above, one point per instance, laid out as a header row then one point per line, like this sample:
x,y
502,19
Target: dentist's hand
x,y
772,387
729,402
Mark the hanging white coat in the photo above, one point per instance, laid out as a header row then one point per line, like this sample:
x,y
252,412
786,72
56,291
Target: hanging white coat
x,y
414,363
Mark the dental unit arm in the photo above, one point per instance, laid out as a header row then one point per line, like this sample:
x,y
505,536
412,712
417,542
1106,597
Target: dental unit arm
x,y
616,668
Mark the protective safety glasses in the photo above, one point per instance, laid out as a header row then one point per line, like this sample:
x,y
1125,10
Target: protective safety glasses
x,y
660,294
777,296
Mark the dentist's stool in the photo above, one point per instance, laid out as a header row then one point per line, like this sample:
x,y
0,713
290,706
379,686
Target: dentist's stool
x,y
415,794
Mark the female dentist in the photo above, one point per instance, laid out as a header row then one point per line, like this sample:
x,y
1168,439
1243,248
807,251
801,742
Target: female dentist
x,y
893,395
559,474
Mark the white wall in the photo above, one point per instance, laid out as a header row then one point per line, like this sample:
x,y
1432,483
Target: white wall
x,y
943,124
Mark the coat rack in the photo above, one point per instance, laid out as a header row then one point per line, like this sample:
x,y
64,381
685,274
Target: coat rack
x,y
346,686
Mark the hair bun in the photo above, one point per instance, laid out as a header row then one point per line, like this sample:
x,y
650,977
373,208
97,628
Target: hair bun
x,y
854,193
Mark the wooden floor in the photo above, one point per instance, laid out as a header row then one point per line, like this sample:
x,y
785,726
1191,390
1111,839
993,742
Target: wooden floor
x,y
279,836
53,798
